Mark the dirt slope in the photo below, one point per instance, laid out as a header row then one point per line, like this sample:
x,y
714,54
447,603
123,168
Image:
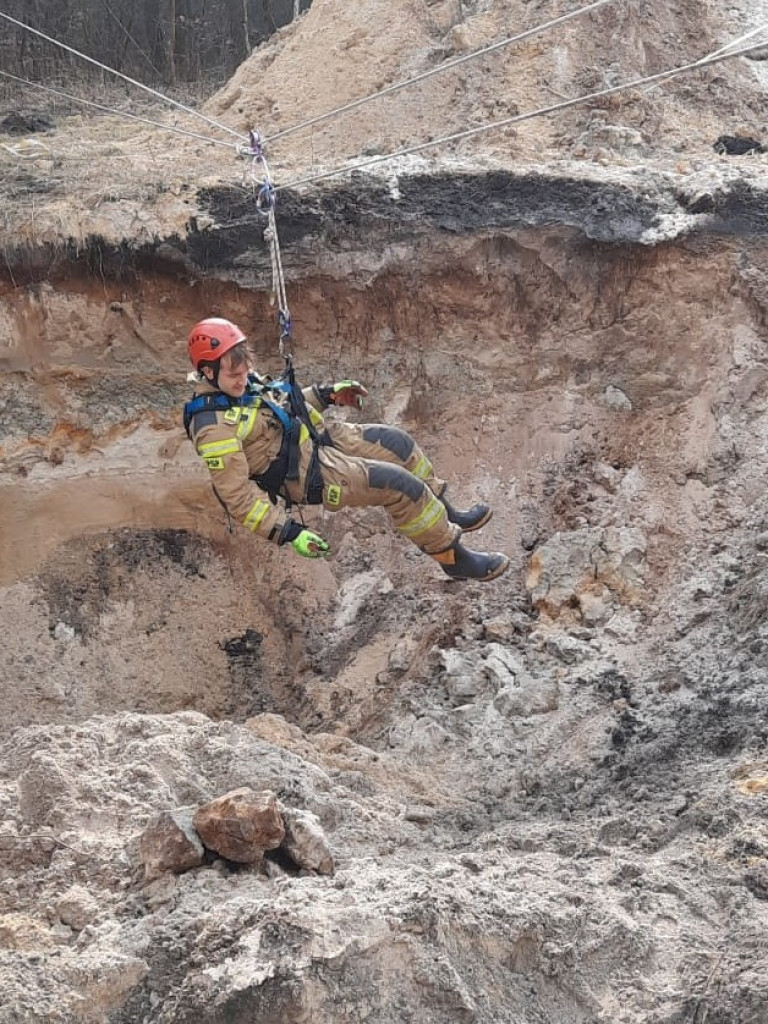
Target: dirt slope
x,y
336,55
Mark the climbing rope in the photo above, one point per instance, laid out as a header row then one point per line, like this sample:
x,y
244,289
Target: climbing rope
x,y
724,49
739,41
265,195
132,81
115,111
517,119
446,66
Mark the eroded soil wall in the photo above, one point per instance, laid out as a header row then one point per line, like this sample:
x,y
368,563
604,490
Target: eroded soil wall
x,y
570,381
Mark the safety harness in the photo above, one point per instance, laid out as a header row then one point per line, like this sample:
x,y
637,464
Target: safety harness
x,y
286,466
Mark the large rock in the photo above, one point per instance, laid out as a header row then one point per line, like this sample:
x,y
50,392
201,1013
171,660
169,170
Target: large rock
x,y
586,574
76,908
305,841
519,694
170,843
241,825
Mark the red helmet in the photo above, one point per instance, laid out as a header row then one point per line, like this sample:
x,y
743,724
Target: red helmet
x,y
211,338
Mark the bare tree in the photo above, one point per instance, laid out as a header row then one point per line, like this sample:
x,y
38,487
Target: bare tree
x,y
246,29
159,43
172,41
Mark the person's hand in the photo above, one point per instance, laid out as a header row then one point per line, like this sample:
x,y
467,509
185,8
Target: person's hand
x,y
347,392
307,543
311,545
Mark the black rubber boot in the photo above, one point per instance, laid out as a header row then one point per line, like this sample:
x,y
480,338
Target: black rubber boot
x,y
460,563
470,520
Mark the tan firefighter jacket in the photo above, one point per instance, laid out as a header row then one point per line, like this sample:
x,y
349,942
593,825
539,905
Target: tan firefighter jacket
x,y
240,441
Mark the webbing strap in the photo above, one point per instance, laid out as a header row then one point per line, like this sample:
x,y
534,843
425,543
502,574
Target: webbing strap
x,y
285,418
221,401
299,403
217,401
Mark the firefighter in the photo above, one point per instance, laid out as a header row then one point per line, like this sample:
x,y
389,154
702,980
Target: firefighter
x,y
264,440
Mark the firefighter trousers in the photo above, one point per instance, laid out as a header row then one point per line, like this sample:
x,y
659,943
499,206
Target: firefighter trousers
x,y
376,464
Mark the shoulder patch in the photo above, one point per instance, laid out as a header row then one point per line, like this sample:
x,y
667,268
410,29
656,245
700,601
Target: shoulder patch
x,y
214,462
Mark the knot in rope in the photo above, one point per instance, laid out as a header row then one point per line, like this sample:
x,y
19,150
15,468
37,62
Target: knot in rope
x,y
256,143
265,199
257,172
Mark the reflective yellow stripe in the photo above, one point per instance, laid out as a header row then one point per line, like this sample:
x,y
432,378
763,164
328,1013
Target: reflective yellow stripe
x,y
423,468
231,447
256,515
314,417
303,434
425,520
246,426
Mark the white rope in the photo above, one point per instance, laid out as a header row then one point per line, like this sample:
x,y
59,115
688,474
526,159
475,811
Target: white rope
x,y
104,67
113,110
264,193
739,41
725,49
541,112
278,280
447,66
28,149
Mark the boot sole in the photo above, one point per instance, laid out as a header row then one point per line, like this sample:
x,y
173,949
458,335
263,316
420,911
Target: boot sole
x,y
502,568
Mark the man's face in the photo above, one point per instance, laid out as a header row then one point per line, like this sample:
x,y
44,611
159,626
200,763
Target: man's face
x,y
233,371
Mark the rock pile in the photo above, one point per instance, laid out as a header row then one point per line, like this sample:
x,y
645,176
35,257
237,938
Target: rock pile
x,y
240,826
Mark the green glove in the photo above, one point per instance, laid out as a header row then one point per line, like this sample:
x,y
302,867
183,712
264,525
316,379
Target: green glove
x,y
310,545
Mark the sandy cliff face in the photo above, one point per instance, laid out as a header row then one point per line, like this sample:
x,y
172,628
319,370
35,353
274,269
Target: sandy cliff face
x,y
545,797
